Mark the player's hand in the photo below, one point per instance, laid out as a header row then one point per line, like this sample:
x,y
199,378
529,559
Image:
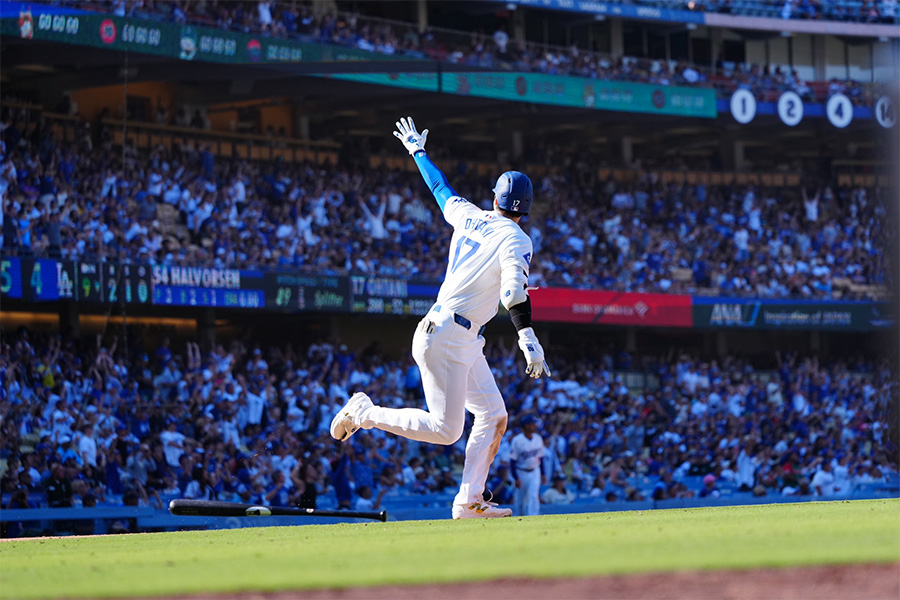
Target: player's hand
x,y
534,354
412,140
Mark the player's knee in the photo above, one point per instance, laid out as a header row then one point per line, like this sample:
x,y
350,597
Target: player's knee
x,y
498,416
448,433
501,423
496,419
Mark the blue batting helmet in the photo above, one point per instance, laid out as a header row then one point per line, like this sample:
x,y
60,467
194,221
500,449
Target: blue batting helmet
x,y
514,192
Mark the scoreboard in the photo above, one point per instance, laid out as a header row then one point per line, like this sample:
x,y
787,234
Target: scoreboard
x,y
37,280
47,280
128,283
391,296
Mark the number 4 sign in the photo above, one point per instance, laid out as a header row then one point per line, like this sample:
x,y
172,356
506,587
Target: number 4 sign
x,y
839,110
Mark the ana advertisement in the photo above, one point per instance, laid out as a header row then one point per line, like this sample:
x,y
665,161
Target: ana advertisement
x,y
563,305
790,314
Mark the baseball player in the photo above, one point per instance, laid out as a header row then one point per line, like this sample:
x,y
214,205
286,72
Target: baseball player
x,y
526,452
488,261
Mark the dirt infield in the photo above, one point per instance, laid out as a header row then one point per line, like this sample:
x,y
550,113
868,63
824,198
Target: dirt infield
x,y
848,582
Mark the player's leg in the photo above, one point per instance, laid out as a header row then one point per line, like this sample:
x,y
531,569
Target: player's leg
x,y
521,495
444,357
484,401
532,494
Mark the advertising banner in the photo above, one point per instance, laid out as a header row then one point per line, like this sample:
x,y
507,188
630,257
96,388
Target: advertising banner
x,y
559,90
564,305
174,40
582,92
790,314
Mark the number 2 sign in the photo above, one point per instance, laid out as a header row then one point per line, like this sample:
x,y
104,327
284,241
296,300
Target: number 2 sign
x,y
790,108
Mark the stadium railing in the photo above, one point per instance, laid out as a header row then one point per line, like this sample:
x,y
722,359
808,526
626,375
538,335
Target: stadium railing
x,y
44,519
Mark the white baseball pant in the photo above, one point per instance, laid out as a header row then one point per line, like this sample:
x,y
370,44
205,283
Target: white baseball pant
x,y
528,501
456,378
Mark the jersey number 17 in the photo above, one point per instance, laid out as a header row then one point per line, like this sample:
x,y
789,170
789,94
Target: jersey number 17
x,y
473,248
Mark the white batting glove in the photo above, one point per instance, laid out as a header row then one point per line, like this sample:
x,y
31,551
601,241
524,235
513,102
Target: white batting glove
x,y
534,354
412,140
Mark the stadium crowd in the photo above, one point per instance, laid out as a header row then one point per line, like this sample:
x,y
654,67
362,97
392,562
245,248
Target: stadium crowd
x,y
87,200
481,50
84,424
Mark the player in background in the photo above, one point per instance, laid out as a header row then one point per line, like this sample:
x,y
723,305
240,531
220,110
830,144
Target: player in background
x,y
488,263
526,452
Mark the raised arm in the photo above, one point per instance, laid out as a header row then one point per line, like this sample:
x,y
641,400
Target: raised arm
x,y
365,208
435,179
414,142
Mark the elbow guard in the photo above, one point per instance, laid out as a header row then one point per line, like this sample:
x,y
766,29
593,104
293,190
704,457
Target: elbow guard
x,y
521,314
513,288
514,295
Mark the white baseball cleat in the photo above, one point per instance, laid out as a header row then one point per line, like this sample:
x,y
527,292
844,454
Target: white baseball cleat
x,y
480,510
347,421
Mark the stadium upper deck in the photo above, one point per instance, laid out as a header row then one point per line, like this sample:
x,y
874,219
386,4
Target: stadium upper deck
x,y
289,110
612,66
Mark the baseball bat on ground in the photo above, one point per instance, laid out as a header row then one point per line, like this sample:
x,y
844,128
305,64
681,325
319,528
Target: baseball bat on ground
x,y
215,508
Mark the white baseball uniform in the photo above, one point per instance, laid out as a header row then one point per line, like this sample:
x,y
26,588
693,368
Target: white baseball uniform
x,y
527,454
448,346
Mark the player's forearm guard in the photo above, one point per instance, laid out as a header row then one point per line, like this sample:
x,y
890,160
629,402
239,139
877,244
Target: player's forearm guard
x,y
521,314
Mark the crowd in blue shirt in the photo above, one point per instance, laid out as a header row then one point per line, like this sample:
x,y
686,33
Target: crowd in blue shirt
x,y
81,200
85,424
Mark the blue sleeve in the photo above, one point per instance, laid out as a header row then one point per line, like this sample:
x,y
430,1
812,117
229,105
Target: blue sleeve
x,y
435,179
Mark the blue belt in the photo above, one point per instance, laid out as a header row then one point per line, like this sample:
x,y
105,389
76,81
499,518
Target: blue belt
x,y
460,320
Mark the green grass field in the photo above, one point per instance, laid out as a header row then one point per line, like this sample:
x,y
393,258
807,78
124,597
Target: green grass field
x,y
350,555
